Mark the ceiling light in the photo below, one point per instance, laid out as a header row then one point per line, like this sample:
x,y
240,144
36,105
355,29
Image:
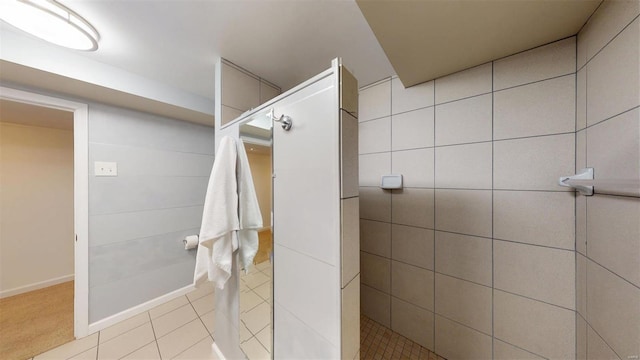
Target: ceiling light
x,y
50,21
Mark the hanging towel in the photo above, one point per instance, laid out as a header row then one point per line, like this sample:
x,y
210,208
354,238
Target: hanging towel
x,y
231,216
219,218
250,216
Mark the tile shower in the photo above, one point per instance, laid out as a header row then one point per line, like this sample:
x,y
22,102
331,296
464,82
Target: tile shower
x,y
482,255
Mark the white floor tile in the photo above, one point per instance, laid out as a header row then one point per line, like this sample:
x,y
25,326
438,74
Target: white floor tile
x,y
254,350
168,307
123,326
70,349
181,339
148,352
257,318
126,343
203,350
173,320
204,304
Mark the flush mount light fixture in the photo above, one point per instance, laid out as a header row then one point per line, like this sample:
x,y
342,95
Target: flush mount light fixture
x,y
50,21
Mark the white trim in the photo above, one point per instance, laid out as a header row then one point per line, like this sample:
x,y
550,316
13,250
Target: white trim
x,y
216,349
80,195
35,286
138,309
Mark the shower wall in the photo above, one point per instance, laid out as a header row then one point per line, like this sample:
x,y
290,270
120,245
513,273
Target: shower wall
x,y
475,257
608,227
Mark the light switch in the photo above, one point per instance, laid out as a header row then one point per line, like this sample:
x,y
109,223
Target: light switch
x,y
103,168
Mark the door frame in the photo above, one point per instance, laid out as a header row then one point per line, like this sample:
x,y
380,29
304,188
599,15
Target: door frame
x,y
80,196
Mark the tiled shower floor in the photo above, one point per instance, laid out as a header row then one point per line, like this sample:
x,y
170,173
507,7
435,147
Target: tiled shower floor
x,y
182,329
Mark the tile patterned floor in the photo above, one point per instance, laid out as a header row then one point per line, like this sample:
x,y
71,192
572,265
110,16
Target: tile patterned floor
x,y
379,342
183,329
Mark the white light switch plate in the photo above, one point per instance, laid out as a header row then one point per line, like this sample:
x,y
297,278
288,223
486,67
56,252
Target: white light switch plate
x,y
102,168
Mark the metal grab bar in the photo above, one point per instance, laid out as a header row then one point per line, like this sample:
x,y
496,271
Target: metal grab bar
x,y
587,185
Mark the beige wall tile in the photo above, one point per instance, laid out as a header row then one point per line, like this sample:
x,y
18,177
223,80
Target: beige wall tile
x,y
504,351
374,136
613,231
581,338
464,166
375,204
239,90
412,284
465,257
613,147
413,207
350,322
268,92
349,168
581,99
349,92
375,304
540,273
375,237
581,224
581,51
464,121
229,114
375,101
466,83
415,97
372,167
375,271
454,341
544,62
612,76
612,310
467,303
533,163
597,349
610,18
416,167
541,108
412,245
413,322
350,239
464,211
534,326
535,217
412,130
581,149
581,284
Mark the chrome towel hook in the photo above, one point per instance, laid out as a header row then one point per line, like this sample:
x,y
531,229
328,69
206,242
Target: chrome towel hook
x,y
286,121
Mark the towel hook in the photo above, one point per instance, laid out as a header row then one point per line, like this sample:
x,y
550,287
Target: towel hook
x,y
286,121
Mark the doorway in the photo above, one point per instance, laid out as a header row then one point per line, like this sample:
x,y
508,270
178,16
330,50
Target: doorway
x,y
24,226
36,237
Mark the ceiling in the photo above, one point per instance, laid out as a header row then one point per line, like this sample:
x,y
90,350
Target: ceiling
x,y
174,44
32,115
428,39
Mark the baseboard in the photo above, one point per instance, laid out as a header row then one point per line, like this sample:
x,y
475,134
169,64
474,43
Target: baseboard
x,y
36,286
138,309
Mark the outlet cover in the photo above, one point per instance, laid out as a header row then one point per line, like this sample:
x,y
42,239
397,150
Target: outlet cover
x,y
103,168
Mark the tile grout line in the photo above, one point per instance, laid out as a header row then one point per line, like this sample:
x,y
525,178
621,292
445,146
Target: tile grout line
x,y
492,211
154,333
390,200
434,216
575,205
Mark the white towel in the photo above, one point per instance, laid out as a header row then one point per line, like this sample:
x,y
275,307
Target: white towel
x,y
231,216
219,219
250,216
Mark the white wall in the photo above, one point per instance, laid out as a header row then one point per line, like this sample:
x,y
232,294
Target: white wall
x,y
36,206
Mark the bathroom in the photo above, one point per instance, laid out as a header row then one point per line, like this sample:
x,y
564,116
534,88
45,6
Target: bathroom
x,y
480,255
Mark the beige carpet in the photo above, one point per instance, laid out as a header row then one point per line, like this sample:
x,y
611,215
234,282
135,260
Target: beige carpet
x,y
34,322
